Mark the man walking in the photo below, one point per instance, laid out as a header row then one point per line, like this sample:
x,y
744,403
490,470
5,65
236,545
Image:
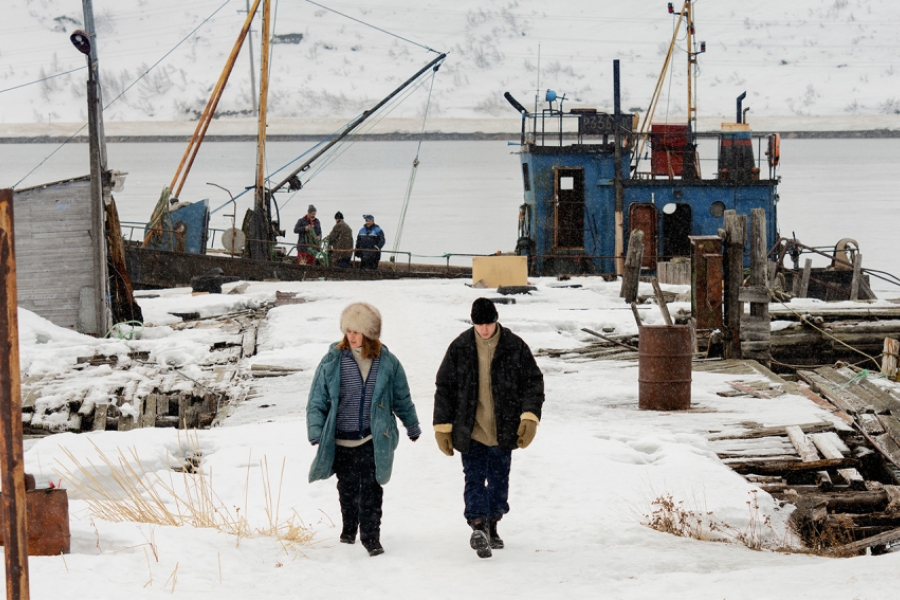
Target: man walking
x,y
341,238
487,403
310,230
369,242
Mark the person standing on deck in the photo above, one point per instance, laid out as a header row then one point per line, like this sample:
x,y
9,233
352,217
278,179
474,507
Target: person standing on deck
x,y
341,238
488,399
310,230
358,390
369,242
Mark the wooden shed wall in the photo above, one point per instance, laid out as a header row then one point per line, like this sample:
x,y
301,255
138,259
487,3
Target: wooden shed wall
x,y
54,251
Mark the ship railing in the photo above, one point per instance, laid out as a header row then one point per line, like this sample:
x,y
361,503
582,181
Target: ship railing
x,y
551,127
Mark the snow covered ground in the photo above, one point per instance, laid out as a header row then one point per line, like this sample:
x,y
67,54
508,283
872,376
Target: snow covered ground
x,y
805,59
579,495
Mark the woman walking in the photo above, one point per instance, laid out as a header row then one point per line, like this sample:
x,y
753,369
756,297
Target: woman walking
x,y
358,389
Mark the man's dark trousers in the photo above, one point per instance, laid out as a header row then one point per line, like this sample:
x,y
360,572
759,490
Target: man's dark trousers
x,y
487,481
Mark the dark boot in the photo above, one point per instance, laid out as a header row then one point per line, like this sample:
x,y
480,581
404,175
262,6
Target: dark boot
x,y
348,535
480,540
373,546
496,541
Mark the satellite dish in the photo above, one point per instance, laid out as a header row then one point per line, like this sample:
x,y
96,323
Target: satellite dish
x,y
233,240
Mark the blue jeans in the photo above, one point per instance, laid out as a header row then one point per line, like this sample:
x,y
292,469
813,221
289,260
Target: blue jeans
x,y
486,469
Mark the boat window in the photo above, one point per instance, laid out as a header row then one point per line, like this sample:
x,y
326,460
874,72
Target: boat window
x,y
717,209
566,183
525,178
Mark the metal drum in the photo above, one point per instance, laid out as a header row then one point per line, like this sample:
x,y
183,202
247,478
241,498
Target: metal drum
x,y
664,367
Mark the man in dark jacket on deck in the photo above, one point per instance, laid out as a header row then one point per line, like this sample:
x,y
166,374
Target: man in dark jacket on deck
x,y
369,242
487,403
310,230
341,238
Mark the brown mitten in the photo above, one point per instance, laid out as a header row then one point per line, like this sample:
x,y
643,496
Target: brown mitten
x,y
527,431
444,442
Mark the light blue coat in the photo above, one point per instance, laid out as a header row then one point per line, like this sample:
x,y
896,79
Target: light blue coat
x,y
391,397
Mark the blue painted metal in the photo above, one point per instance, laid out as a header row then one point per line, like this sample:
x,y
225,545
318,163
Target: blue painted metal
x,y
543,157
189,229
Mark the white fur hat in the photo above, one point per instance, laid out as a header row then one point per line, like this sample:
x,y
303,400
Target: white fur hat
x,y
363,318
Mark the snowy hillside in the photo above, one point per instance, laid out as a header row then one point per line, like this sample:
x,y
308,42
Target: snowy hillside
x,y
794,59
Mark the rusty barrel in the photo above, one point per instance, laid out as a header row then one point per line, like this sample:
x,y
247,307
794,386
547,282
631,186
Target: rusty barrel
x,y
47,522
664,367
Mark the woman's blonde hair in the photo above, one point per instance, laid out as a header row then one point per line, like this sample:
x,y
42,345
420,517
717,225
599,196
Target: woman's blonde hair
x,y
370,348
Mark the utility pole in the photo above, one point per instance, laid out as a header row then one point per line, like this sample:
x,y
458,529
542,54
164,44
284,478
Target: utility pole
x,y
85,42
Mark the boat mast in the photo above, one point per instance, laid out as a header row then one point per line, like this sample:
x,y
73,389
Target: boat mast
x,y
691,64
260,222
435,64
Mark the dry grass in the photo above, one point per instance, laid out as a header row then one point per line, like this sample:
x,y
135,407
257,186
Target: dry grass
x,y
674,517
123,490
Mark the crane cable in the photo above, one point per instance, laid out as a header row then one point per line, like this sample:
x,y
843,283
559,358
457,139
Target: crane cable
x,y
415,167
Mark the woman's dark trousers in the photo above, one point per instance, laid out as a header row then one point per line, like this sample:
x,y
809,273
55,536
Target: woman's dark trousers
x,y
360,494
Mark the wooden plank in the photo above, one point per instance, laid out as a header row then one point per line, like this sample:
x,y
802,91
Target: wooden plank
x,y
853,478
663,307
823,481
869,393
778,430
100,412
795,466
876,540
248,342
752,391
632,271
844,401
873,430
829,449
804,446
148,416
891,426
841,501
806,391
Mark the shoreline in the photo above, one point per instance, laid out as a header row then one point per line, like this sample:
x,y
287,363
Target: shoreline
x,y
403,129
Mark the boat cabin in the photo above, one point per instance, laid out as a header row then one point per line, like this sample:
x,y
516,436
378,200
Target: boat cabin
x,y
589,179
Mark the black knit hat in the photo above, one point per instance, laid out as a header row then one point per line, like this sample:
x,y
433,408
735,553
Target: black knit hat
x,y
338,215
484,312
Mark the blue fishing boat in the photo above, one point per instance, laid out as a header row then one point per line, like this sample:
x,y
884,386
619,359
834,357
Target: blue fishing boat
x,y
592,177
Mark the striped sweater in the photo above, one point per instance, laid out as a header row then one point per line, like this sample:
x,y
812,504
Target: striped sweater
x,y
355,403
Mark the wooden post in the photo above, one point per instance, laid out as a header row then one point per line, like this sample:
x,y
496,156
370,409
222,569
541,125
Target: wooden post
x,y
804,280
758,319
663,307
735,239
12,500
857,273
889,358
631,276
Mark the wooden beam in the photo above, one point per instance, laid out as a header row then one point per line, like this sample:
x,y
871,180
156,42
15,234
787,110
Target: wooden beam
x,y
632,273
857,274
804,280
804,446
12,454
663,307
